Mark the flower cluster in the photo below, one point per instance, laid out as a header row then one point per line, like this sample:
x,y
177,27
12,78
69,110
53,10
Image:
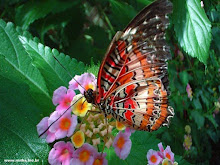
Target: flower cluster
x,y
187,138
217,108
84,126
189,92
164,157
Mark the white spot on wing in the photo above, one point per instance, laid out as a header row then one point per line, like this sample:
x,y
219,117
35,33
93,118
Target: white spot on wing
x,y
133,31
164,48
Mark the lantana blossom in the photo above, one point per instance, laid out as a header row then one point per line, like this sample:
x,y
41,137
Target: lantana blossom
x,y
169,154
189,92
61,153
63,97
63,127
99,159
120,126
166,162
160,153
41,127
83,82
122,145
80,105
153,157
78,139
84,155
166,157
187,142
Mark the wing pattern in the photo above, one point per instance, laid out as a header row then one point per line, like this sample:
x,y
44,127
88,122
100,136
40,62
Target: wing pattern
x,y
132,79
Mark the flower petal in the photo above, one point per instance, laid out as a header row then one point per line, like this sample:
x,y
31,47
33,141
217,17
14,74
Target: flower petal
x,y
73,125
50,137
42,126
58,95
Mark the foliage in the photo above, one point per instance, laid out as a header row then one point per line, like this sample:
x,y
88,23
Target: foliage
x,y
29,72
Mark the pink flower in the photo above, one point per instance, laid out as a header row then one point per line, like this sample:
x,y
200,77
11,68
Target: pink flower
x,y
160,153
63,97
189,91
86,80
122,145
61,153
73,84
63,127
129,130
84,155
99,159
41,127
153,157
168,154
160,146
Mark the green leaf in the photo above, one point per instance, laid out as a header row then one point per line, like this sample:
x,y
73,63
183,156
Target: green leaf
x,y
212,120
24,100
19,116
122,13
214,135
141,143
145,2
184,77
199,118
43,58
16,64
180,160
94,69
33,10
197,103
192,28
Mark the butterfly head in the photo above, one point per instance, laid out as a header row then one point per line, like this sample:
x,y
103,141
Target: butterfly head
x,y
89,95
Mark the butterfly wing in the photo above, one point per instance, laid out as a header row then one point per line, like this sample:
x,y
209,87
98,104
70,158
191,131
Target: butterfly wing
x,y
136,57
142,104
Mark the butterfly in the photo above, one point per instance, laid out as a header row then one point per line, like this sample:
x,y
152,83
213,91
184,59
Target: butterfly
x,y
132,83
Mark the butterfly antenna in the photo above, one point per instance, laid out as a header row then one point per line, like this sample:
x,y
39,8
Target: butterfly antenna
x,y
83,103
59,117
68,72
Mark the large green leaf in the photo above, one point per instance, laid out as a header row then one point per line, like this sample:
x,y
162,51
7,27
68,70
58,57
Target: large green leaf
x,y
192,28
33,10
43,58
16,64
24,99
19,116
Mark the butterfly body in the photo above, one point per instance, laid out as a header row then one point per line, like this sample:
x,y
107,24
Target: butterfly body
x,y
132,83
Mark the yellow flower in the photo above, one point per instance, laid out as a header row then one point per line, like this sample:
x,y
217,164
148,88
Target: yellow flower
x,y
78,139
188,129
166,162
120,126
81,107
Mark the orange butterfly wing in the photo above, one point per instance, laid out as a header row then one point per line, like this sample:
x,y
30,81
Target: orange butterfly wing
x,y
132,79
